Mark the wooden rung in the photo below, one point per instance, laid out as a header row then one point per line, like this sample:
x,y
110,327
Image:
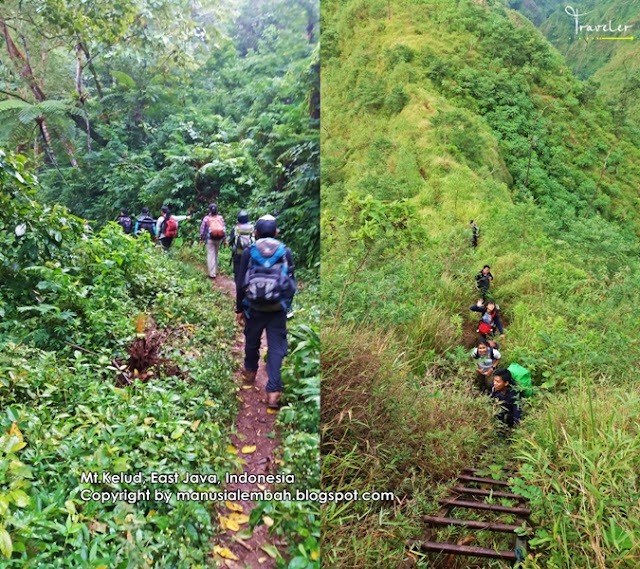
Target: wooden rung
x,y
481,492
465,478
482,506
489,526
464,550
507,471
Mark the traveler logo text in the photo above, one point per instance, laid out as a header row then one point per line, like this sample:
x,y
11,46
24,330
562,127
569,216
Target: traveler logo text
x,y
598,28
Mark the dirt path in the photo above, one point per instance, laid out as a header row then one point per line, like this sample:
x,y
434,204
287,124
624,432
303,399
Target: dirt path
x,y
254,428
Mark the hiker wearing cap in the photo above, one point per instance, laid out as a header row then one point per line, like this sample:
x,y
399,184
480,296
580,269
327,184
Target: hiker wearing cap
x,y
241,239
213,232
506,397
262,301
167,226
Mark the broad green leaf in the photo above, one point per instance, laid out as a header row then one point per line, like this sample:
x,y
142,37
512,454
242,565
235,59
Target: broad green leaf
x,y
6,545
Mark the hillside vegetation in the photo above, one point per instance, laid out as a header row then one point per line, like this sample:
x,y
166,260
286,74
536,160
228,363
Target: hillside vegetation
x,y
435,113
612,66
116,356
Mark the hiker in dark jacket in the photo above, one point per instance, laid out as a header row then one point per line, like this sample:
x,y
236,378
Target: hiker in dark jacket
x,y
474,236
483,281
125,221
265,267
145,223
241,239
490,318
506,398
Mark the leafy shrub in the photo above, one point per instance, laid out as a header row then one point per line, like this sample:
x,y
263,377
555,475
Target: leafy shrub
x,y
396,100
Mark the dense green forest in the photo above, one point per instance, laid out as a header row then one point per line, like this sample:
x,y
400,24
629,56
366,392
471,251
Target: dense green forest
x,y
115,356
436,113
167,102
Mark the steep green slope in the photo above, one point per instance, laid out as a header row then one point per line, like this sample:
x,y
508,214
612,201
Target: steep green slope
x,y
435,113
612,64
492,127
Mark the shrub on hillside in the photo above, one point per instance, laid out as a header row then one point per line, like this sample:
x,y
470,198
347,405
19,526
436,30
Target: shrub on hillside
x,y
581,457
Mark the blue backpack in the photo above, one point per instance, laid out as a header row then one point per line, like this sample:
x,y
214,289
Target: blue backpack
x,y
267,281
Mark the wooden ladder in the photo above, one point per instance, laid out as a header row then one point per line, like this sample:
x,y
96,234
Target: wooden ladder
x,y
468,497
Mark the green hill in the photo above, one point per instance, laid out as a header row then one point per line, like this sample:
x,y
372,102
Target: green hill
x,y
613,65
435,113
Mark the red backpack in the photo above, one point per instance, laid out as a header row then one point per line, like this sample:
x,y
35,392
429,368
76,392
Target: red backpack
x,y
216,227
485,328
170,227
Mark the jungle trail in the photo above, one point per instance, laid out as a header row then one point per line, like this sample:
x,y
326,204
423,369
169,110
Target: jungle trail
x,y
256,415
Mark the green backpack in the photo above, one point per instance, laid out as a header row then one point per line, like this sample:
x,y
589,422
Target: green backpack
x,y
522,377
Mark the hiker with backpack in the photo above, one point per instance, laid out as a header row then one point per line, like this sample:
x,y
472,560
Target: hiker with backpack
x,y
474,236
241,239
125,221
213,232
268,285
145,223
487,357
507,398
490,319
167,226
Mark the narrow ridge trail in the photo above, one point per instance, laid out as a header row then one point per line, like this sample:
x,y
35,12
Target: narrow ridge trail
x,y
254,427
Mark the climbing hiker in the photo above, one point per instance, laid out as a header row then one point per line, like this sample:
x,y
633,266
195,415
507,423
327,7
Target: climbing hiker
x,y
490,319
125,221
213,232
167,226
241,239
145,223
483,281
507,399
475,232
487,361
268,286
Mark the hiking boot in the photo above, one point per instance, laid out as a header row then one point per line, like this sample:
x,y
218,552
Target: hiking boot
x,y
249,375
272,399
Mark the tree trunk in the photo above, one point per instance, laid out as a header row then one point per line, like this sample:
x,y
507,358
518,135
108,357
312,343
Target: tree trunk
x,y
46,137
26,72
93,72
24,69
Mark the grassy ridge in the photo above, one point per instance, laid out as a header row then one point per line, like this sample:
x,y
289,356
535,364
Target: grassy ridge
x,y
547,240
434,115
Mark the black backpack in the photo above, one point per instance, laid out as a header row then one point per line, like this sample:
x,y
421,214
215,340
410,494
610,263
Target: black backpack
x,y
126,224
146,223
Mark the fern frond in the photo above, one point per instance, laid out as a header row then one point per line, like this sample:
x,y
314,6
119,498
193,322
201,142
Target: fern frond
x,y
12,105
28,114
